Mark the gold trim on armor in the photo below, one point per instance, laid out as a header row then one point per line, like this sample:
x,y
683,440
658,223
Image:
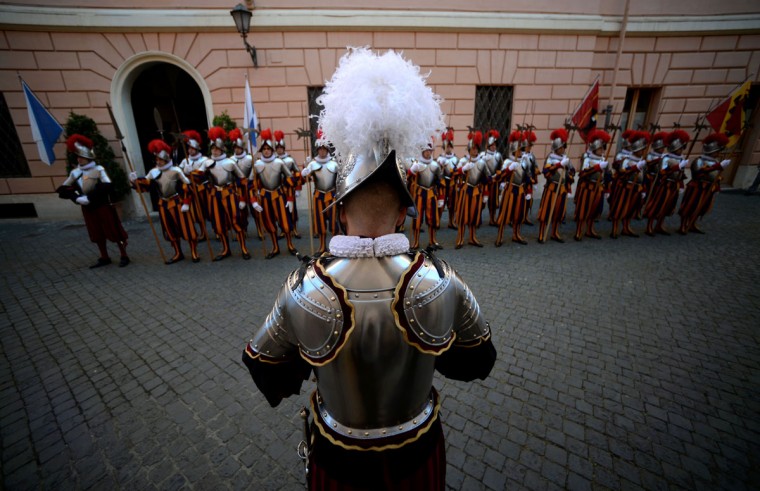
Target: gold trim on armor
x,y
414,427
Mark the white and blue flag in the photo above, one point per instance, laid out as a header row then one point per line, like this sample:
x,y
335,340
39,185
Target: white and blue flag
x,y
251,120
45,129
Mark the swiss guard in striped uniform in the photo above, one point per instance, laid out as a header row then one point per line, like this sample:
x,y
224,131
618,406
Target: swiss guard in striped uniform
x,y
515,186
227,199
529,138
244,162
664,197
172,187
473,193
448,163
494,161
272,176
700,193
555,192
323,171
654,162
627,198
428,196
192,166
292,191
88,185
590,189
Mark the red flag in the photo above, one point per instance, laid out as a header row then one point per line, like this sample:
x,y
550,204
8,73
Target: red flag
x,y
584,117
728,117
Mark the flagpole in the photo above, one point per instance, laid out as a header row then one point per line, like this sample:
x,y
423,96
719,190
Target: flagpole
x,y
120,137
588,91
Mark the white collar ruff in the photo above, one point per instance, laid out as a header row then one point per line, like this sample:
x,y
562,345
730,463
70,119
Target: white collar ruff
x,y
353,246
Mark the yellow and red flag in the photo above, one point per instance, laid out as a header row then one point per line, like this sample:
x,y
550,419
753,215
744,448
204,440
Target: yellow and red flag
x,y
584,117
729,116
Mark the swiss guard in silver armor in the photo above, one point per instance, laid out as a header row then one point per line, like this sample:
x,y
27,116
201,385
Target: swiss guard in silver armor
x,y
323,170
654,161
448,163
665,190
89,186
474,192
494,162
373,319
292,191
192,166
244,162
533,172
629,192
428,196
174,199
271,176
590,190
515,188
227,198
554,197
705,183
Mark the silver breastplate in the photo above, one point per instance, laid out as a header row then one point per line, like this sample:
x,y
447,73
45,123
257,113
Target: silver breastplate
x,y
427,177
244,164
222,172
272,173
555,176
589,163
476,174
87,179
371,328
324,178
169,182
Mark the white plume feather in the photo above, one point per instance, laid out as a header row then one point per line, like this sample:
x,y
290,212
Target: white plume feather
x,y
372,98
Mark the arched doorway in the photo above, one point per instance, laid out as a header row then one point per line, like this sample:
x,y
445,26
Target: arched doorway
x,y
154,81
166,101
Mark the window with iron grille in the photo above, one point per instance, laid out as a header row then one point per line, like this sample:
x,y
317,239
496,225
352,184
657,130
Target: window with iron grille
x,y
493,111
13,163
313,93
638,110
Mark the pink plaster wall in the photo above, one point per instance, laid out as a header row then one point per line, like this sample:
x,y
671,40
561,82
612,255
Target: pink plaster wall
x,y
550,73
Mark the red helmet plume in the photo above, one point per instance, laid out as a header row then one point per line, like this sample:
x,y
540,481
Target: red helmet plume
x,y
77,138
236,134
217,132
599,135
515,136
720,138
560,133
628,135
660,135
266,134
279,135
678,135
529,136
156,146
475,139
192,135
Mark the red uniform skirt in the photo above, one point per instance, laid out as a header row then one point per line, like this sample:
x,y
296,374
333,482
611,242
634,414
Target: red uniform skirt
x,y
103,223
420,465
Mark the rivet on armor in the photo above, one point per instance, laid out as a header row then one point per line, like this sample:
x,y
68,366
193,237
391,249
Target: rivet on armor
x,y
426,411
411,321
375,295
268,352
335,332
408,302
366,433
328,346
400,427
324,415
332,298
414,422
422,334
384,432
356,295
337,316
411,287
335,425
255,346
321,286
350,432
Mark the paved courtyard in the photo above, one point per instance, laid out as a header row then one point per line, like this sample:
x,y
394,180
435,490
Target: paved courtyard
x,y
623,364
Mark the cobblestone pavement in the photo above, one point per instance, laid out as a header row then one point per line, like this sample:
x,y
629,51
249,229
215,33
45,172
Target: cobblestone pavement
x,y
623,364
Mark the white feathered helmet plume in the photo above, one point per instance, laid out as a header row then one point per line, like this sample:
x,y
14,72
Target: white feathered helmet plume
x,y
377,110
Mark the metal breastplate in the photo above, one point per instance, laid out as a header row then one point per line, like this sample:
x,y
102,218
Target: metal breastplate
x,y
370,327
244,164
271,174
221,172
189,165
590,162
493,162
518,175
702,163
169,182
290,164
476,174
325,177
86,179
629,165
555,176
448,164
427,177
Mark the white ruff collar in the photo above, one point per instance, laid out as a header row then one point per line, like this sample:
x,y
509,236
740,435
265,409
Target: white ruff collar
x,y
353,246
89,165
